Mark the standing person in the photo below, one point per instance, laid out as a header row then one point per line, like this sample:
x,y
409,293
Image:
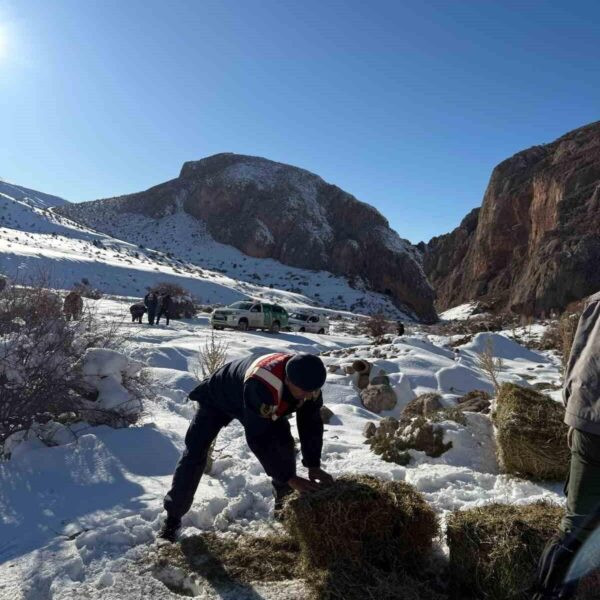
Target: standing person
x,y
400,328
166,305
151,303
581,394
259,391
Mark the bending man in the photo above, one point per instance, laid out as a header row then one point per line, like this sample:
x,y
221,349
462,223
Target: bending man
x,y
259,391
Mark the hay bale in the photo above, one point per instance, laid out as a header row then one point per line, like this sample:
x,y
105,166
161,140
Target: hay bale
x,y
494,549
531,434
344,583
361,521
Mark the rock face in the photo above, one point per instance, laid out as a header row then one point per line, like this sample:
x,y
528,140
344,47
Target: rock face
x,y
534,246
272,210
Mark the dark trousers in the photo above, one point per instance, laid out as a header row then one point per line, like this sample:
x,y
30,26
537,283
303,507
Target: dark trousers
x,y
201,433
151,313
582,517
161,313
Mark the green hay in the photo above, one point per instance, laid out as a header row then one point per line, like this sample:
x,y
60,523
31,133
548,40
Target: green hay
x,y
494,549
361,521
531,434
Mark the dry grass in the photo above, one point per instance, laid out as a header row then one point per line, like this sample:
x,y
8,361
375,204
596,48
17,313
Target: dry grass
x,y
489,365
230,561
531,434
211,356
494,549
358,539
361,521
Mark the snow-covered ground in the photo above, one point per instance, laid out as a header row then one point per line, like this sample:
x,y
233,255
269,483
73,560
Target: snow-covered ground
x,y
79,520
34,241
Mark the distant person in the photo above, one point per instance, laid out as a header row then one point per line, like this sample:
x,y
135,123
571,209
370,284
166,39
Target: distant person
x,y
151,303
73,306
165,308
400,328
260,392
137,312
581,395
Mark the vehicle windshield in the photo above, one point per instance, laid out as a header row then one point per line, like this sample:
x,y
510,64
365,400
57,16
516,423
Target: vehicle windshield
x,y
241,305
299,316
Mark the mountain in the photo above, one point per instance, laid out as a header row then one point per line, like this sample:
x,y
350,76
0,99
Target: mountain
x,y
534,245
40,244
267,209
31,197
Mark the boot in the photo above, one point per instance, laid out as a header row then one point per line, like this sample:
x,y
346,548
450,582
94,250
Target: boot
x,y
170,528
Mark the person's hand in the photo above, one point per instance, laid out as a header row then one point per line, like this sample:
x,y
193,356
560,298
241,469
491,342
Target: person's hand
x,y
316,474
302,486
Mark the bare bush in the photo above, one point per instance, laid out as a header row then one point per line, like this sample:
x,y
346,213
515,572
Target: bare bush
x,y
85,290
377,326
39,356
182,303
489,365
211,357
168,287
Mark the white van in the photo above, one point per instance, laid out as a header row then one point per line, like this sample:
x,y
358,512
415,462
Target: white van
x,y
309,322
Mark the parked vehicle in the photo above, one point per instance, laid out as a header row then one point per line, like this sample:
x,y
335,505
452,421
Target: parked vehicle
x,y
246,315
310,322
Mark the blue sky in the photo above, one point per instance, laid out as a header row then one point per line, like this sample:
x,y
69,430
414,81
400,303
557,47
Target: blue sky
x,y
406,105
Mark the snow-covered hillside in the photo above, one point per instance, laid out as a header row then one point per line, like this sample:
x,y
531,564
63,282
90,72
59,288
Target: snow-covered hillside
x,y
36,240
31,197
79,520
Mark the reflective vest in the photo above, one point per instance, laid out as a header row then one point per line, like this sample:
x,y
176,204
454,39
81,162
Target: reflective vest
x,y
270,370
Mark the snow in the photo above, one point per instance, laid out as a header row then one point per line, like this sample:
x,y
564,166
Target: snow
x,y
459,313
79,520
35,240
31,197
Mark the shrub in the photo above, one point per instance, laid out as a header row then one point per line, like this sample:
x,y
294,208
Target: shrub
x,y
168,287
489,365
211,356
85,290
41,378
531,434
377,326
494,549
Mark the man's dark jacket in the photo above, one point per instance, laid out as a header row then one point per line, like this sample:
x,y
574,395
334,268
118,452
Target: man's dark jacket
x,y
270,440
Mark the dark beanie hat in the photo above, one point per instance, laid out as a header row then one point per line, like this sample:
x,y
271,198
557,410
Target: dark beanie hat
x,y
307,371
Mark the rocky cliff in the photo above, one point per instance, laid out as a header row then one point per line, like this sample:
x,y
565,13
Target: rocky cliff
x,y
272,210
534,246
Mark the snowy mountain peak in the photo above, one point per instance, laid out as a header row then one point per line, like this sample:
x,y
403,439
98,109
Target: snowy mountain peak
x,y
267,209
